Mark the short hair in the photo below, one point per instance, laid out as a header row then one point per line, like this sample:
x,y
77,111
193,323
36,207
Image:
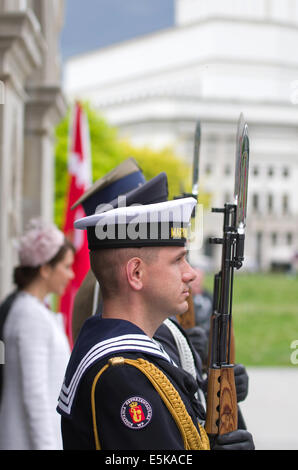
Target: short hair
x,y
108,265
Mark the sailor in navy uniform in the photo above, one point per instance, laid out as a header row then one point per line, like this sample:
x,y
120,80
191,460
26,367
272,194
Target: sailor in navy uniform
x,y
109,192
121,390
127,180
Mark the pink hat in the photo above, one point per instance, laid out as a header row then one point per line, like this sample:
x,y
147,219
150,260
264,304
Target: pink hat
x,y
39,244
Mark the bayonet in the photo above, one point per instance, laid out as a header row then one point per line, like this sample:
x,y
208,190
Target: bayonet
x,y
196,160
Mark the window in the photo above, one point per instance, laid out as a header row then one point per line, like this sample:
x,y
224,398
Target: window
x,y
270,203
259,251
255,202
274,238
208,169
285,204
289,238
255,170
270,172
285,172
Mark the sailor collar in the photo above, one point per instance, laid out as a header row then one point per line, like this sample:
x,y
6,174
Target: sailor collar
x,y
120,336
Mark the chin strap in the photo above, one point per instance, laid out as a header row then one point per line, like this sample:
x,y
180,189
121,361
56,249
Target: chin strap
x,y
192,439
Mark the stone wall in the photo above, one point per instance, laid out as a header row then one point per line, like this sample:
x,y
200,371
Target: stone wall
x,y
32,104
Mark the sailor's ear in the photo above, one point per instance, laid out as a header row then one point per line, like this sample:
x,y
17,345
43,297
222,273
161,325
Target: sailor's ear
x,y
134,273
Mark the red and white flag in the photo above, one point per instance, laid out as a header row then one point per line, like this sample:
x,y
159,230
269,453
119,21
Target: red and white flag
x,y
79,171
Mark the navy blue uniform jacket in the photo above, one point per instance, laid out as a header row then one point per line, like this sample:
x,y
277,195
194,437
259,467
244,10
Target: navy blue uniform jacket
x,y
130,414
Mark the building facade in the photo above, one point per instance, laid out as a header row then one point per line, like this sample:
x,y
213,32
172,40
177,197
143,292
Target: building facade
x,y
219,59
31,105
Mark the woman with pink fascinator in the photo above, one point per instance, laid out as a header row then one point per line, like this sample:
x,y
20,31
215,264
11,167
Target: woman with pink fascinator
x,y
36,347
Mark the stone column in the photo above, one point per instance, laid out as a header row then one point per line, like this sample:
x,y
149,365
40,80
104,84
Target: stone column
x,y
44,109
21,48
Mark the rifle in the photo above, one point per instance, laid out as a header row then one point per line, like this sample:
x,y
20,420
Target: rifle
x,y
222,410
187,319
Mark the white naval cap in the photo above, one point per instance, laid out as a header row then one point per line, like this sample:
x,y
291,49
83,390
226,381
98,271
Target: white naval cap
x,y
159,224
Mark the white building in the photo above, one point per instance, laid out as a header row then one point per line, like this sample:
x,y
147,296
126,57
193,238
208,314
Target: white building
x,y
220,59
31,104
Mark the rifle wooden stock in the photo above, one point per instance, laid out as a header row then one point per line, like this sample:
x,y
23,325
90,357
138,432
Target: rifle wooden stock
x,y
187,320
212,417
222,410
228,420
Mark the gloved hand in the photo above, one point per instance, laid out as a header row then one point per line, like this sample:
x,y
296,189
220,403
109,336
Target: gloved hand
x,y
199,340
235,440
241,382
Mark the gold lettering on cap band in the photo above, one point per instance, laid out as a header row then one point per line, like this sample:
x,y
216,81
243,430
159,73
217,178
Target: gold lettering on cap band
x,y
179,232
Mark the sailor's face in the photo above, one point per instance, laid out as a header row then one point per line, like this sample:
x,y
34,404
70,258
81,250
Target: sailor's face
x,y
169,279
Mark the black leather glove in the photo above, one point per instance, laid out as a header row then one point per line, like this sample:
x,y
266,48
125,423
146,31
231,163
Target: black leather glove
x,y
235,440
199,340
241,382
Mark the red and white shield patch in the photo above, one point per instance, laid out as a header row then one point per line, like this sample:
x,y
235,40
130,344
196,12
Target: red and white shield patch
x,y
136,413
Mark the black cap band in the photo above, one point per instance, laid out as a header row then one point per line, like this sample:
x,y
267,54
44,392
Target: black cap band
x,y
138,235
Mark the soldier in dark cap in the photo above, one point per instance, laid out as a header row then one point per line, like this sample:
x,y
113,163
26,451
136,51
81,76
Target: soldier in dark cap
x,y
121,389
88,300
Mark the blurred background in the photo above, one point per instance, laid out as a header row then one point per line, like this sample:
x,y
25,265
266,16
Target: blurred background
x,y
145,73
